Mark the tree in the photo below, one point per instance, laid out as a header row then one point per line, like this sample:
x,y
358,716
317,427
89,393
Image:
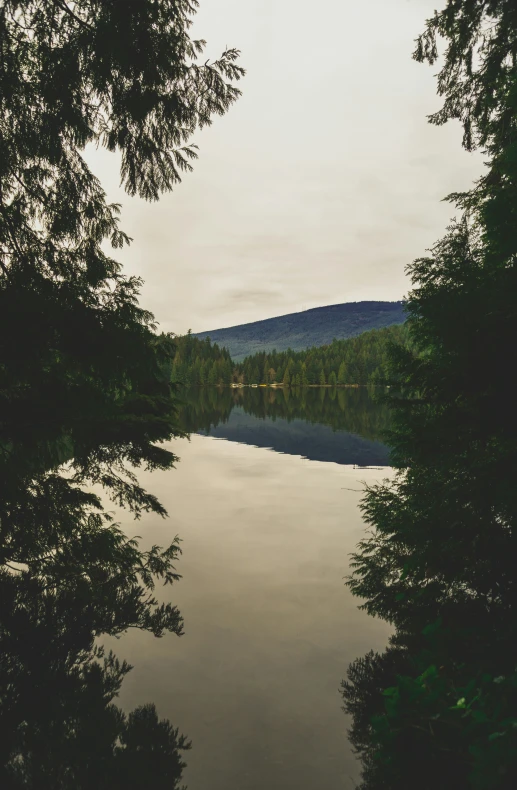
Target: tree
x,y
322,377
332,379
287,378
439,563
228,371
341,378
61,727
67,81
89,382
202,355
211,376
265,371
358,358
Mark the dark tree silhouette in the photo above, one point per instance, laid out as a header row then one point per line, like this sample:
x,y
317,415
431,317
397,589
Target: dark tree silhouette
x,y
439,563
85,382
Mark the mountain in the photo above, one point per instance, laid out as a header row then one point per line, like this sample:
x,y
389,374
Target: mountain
x,y
298,437
315,327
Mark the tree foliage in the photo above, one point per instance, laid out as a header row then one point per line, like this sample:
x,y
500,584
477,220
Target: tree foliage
x,y
357,360
317,326
199,362
439,561
123,75
85,383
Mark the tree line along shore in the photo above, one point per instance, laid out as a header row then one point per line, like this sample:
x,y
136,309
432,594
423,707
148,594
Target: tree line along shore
x,y
355,361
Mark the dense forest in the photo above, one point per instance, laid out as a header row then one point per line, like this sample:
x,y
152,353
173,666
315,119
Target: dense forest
x,y
199,362
358,360
315,327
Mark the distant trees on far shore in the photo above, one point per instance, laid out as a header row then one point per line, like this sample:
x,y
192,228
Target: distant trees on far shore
x,y
356,360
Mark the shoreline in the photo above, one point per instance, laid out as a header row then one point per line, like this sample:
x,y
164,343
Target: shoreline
x,y
281,386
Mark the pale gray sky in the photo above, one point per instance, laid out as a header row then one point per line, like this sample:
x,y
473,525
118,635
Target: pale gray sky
x,y
320,184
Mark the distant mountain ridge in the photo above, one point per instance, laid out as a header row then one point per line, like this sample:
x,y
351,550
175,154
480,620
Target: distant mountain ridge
x,y
315,327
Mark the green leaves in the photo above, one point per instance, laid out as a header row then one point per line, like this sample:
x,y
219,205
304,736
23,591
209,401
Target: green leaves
x,y
84,380
357,360
439,563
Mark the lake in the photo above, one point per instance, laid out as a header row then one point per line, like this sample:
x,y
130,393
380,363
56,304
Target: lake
x,y
265,499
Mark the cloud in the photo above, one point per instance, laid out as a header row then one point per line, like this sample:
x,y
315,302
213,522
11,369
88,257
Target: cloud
x,y
253,296
320,184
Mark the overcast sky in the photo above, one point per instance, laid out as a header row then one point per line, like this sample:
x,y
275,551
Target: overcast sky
x,y
319,185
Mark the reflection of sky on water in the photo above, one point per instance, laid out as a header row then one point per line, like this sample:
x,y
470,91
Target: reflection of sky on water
x,y
269,625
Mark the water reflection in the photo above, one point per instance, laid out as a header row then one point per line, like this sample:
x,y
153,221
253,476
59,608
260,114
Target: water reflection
x,y
269,624
270,627
342,425
69,575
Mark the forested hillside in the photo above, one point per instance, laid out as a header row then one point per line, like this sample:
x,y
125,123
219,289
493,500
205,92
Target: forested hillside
x,y
298,331
200,362
358,360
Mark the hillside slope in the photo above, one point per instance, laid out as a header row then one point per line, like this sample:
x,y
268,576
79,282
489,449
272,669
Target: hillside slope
x,y
315,327
298,437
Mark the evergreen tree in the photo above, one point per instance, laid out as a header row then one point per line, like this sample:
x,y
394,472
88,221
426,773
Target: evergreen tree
x,y
203,357
359,358
211,373
88,381
119,75
440,562
265,371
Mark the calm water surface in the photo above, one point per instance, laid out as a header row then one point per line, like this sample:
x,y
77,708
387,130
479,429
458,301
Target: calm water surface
x,y
269,626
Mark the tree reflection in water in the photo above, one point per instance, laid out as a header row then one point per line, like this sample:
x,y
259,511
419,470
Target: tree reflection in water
x,y
333,424
69,575
358,410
